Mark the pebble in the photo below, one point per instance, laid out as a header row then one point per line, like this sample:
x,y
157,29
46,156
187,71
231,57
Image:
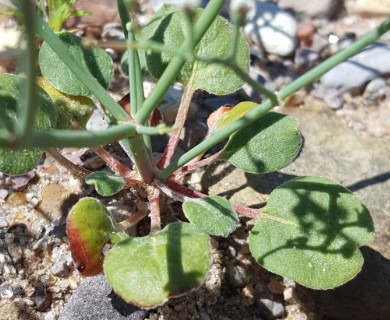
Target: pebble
x,y
375,90
3,193
313,9
20,182
357,71
50,316
306,59
6,291
96,121
271,308
305,32
271,28
62,265
288,294
40,298
3,222
332,97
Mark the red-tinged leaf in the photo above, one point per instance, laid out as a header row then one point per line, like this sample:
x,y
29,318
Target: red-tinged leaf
x,y
125,103
89,226
216,115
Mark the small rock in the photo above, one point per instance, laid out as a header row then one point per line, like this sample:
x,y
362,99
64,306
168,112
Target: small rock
x,y
40,298
313,9
375,90
19,182
305,32
51,206
96,121
17,290
3,222
370,63
288,294
3,193
271,308
41,245
62,265
94,299
50,316
332,97
6,291
271,28
275,286
306,59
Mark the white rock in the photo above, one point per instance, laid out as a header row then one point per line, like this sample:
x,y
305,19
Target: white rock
x,y
97,121
272,29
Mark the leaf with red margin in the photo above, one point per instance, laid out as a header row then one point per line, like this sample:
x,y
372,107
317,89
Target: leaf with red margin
x,y
89,226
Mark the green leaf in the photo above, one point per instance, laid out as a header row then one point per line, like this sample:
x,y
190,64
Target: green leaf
x,y
145,34
73,111
315,237
93,59
89,226
106,184
234,114
213,215
211,77
268,144
16,162
147,271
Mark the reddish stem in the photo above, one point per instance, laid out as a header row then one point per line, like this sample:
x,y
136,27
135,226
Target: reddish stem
x,y
197,165
154,203
117,167
75,169
132,220
179,124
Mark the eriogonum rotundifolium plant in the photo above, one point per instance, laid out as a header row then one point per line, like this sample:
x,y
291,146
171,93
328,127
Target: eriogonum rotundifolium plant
x,y
311,227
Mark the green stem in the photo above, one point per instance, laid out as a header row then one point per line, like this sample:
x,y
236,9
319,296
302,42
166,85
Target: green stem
x,y
80,72
26,114
266,106
78,139
173,69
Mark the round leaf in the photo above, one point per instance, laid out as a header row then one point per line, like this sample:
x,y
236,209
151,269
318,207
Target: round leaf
x,y
147,271
94,59
213,215
89,226
106,184
268,144
211,77
16,162
73,111
315,237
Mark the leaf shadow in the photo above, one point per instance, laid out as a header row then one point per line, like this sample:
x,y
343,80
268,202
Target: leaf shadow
x,y
330,220
179,281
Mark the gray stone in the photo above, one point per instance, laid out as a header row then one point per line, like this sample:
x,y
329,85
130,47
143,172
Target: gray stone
x,y
94,299
6,291
271,308
370,63
313,8
271,28
375,90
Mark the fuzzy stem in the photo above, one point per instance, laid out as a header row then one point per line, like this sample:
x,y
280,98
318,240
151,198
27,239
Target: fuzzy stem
x,y
197,165
154,203
77,171
132,220
179,124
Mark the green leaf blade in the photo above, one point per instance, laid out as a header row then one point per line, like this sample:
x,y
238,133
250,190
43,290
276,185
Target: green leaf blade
x,y
213,78
318,246
213,215
17,162
147,271
106,184
93,59
267,145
